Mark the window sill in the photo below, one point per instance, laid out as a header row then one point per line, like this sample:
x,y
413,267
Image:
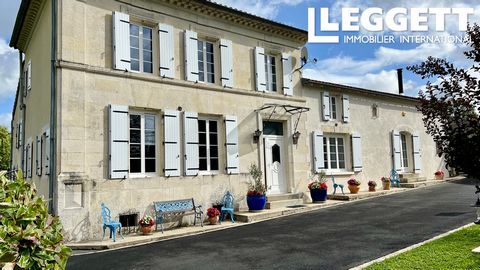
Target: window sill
x,y
335,173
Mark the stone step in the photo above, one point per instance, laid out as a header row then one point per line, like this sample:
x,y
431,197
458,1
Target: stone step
x,y
413,179
283,203
407,175
282,197
420,184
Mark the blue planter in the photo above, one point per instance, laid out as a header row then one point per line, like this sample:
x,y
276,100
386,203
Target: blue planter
x,y
318,195
256,203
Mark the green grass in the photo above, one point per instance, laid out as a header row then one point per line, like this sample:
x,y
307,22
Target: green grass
x,y
450,252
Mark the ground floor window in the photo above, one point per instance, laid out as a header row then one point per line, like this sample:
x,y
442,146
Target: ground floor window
x,y
208,144
142,143
334,152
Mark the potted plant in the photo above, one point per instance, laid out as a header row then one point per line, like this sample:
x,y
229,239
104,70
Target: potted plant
x,y
371,185
256,190
318,188
386,183
146,224
353,185
439,175
213,214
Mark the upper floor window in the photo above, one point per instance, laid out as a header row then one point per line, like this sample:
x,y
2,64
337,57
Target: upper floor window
x,y
141,48
208,144
374,110
334,152
271,73
142,143
333,107
206,66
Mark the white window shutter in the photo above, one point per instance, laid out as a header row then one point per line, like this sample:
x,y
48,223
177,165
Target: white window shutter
x,y
325,106
47,152
191,56
167,50
287,74
396,150
20,134
417,155
17,135
357,152
226,57
29,75
119,141
29,158
346,108
260,76
318,154
121,41
38,156
190,136
231,133
172,143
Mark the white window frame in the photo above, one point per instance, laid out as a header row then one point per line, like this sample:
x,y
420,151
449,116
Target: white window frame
x,y
269,73
327,156
333,107
142,172
140,48
205,64
209,171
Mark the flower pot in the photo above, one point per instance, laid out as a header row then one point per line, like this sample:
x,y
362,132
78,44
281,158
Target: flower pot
x,y
213,220
371,189
386,185
318,195
353,189
146,229
439,177
256,203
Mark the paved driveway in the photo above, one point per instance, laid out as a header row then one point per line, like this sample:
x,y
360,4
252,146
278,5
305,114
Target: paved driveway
x,y
339,237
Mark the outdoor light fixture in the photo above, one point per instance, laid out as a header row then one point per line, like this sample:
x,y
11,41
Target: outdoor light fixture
x,y
256,135
295,137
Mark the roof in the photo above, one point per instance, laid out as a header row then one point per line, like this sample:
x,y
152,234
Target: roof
x,y
356,90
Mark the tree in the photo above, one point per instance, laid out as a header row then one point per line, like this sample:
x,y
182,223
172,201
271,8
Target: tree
x,y
451,106
4,148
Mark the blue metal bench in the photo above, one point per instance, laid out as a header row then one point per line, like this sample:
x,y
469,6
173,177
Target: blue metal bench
x,y
177,207
109,223
227,207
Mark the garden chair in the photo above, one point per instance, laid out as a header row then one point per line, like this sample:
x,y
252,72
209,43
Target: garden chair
x,y
109,223
394,178
227,207
335,185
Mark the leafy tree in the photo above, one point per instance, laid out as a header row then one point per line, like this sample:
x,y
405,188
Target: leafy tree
x,y
4,148
29,237
451,106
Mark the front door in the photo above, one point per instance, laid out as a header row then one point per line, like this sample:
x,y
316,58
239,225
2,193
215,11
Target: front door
x,y
275,162
403,153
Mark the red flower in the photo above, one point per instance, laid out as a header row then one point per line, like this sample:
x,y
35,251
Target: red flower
x,y
212,212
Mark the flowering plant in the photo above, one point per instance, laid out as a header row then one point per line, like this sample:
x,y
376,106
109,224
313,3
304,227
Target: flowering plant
x,y
146,221
256,188
212,212
353,182
439,173
318,181
372,183
385,179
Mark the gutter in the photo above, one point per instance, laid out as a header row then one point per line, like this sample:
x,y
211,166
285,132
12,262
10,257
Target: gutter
x,y
52,184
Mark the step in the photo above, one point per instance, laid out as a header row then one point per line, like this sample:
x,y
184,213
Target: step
x,y
282,197
413,179
361,195
420,184
407,175
283,203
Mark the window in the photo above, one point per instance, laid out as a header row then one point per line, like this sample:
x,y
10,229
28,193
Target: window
x,y
271,73
374,110
333,107
142,143
141,48
206,66
208,144
403,139
334,152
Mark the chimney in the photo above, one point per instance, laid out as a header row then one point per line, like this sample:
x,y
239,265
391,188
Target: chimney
x,y
400,81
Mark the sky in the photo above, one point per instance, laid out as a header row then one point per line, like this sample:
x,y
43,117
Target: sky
x,y
371,66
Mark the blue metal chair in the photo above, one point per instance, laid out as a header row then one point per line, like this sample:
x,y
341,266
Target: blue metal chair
x,y
227,207
394,178
109,223
335,185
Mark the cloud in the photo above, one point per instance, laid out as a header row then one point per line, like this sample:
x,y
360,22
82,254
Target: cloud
x,y
263,8
8,13
5,119
8,70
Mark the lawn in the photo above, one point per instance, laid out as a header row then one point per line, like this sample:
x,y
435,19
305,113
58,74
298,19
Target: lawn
x,y
450,252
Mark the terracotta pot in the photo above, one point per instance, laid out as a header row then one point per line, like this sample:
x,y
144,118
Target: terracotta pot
x,y
386,185
213,220
353,189
439,177
146,229
371,189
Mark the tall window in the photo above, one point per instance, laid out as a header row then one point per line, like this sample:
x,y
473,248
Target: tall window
x,y
403,139
141,48
208,144
334,152
271,73
333,107
206,67
142,143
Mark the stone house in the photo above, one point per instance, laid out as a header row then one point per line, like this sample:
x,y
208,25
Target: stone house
x,y
130,102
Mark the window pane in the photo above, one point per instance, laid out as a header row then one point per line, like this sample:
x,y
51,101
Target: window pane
x,y
202,151
135,121
135,165
214,164
135,150
147,56
135,65
200,45
325,153
209,47
203,164
213,126
341,164
134,42
147,67
149,137
211,78
149,151
210,58
134,136
147,45
134,30
149,121
134,53
147,33
150,165
213,151
202,138
213,139
272,128
202,125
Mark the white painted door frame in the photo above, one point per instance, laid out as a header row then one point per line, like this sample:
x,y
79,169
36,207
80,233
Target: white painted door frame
x,y
275,164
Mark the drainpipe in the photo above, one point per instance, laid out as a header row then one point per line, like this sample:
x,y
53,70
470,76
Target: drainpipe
x,y
52,178
23,110
11,145
400,81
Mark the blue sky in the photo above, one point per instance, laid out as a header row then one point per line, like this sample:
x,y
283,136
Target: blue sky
x,y
364,65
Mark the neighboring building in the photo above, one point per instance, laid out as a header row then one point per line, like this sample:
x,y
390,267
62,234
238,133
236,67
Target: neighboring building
x,y
130,102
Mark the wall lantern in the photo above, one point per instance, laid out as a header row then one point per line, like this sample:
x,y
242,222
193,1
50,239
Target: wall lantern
x,y
256,135
295,137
